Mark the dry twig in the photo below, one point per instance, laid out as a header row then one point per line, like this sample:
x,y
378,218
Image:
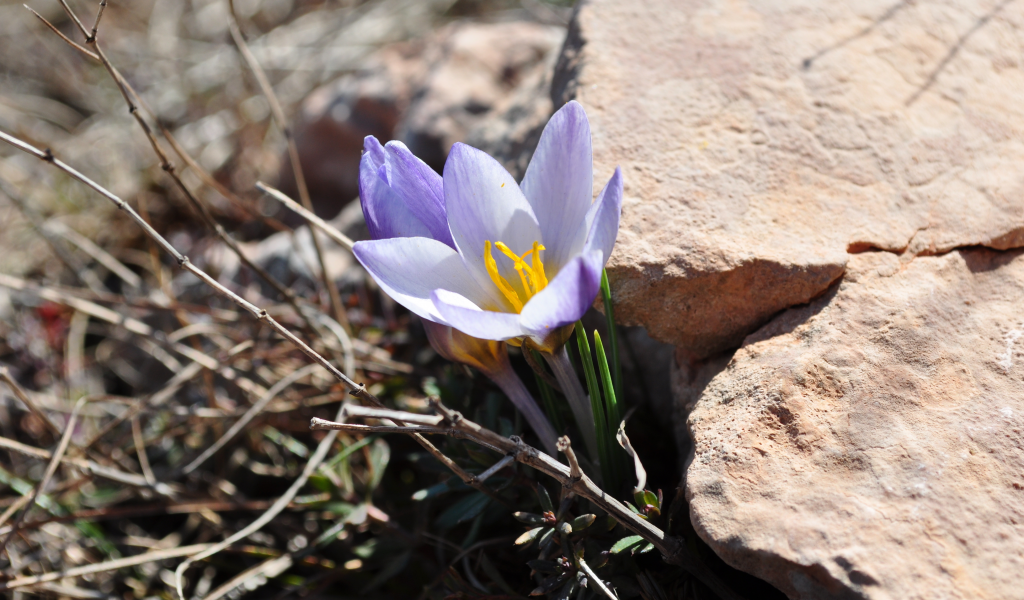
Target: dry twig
x,y
50,470
572,479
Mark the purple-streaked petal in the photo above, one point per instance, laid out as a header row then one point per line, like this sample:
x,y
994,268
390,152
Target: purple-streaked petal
x,y
387,214
464,315
603,217
567,297
373,150
484,203
409,269
559,182
419,187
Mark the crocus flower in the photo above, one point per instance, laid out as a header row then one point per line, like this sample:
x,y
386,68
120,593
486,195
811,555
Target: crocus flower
x,y
401,197
490,258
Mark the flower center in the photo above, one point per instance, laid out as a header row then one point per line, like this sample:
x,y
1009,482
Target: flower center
x,y
531,276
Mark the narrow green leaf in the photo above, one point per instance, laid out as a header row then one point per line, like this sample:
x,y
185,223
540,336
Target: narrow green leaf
x,y
627,543
611,408
544,499
596,405
380,456
432,491
463,510
613,336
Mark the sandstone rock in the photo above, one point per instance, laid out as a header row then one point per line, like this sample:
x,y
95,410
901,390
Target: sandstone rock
x,y
871,444
761,141
429,93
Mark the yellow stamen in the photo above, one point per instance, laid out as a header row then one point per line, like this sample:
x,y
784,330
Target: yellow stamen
x,y
531,276
538,267
520,266
503,285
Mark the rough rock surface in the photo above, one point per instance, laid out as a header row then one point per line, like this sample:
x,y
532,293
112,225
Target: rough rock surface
x,y
871,443
428,93
762,140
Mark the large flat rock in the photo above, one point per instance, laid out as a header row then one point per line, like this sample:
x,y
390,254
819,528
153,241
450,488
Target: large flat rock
x,y
762,141
871,443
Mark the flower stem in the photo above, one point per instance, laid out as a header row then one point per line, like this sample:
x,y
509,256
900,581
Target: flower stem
x,y
516,391
561,366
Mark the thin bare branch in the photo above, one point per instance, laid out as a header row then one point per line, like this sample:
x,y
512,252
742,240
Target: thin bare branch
x,y
575,472
5,376
594,579
74,17
577,482
205,176
96,22
74,45
318,424
130,97
339,238
501,464
366,412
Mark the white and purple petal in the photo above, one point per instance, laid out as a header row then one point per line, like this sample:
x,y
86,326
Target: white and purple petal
x,y
467,316
484,203
419,187
409,269
603,218
559,182
566,297
387,214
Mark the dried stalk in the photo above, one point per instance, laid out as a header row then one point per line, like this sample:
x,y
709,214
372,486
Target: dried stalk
x,y
50,470
5,376
279,505
293,156
254,410
110,565
70,260
90,467
339,238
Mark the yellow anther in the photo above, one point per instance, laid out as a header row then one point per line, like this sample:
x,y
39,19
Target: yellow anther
x,y
530,275
520,266
503,285
540,279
